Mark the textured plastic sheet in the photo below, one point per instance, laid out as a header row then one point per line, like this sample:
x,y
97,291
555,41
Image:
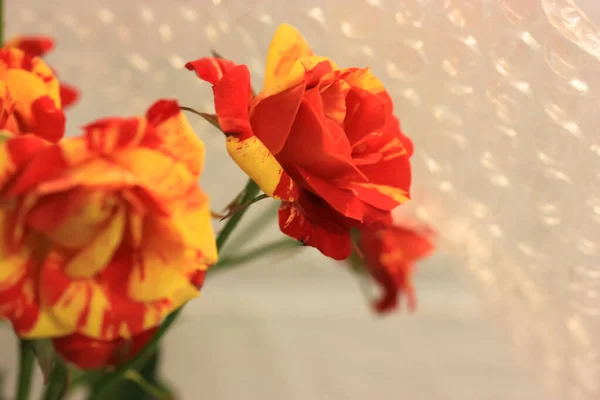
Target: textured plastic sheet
x,y
500,96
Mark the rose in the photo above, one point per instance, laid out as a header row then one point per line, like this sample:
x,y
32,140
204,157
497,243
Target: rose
x,y
38,46
88,353
29,96
103,234
324,140
390,252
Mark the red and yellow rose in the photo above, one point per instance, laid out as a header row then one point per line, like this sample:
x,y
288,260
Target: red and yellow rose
x,y
321,139
29,97
38,46
103,235
390,253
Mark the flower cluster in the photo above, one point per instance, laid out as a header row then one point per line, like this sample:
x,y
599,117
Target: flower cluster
x,y
103,234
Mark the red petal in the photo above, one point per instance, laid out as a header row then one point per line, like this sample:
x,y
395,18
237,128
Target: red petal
x,y
85,352
318,146
314,225
232,97
34,46
210,69
50,120
272,118
68,95
23,148
47,164
367,116
342,200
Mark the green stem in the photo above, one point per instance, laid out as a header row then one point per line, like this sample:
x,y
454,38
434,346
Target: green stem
x,y
57,386
105,387
236,260
249,193
26,359
153,390
247,233
1,22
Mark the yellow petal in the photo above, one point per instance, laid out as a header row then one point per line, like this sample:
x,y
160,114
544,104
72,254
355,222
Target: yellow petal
x,y
364,79
286,47
397,194
156,171
251,155
13,264
154,279
46,326
193,222
179,141
294,76
97,253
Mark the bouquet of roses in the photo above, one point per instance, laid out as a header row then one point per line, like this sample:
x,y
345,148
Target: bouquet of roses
x,y
107,235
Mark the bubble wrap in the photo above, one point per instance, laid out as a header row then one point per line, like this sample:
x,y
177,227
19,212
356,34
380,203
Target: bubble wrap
x,y
500,96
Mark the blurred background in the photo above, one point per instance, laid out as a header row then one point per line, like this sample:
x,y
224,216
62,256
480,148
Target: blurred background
x,y
501,99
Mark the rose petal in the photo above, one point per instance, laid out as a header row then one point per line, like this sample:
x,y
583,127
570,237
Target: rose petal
x,y
286,47
210,69
251,155
34,46
176,137
68,95
314,225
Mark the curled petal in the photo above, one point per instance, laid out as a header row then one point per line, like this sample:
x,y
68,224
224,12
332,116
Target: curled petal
x,y
34,46
210,69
